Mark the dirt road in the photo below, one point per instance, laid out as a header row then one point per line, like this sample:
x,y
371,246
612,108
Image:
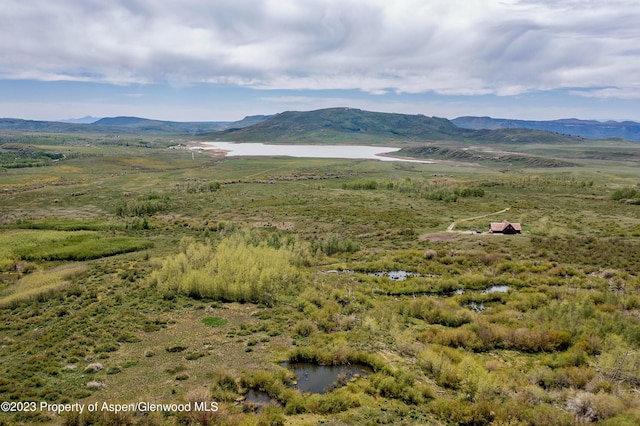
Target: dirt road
x,y
453,225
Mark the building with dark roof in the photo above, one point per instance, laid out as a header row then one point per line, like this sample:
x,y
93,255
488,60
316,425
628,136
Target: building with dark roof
x,y
504,227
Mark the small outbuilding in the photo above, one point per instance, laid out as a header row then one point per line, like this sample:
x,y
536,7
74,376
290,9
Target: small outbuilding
x,y
504,227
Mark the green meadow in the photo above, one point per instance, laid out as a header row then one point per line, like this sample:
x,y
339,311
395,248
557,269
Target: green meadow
x,y
134,271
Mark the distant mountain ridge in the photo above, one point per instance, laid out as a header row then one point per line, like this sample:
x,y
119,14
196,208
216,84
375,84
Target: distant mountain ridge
x,y
338,125
590,129
344,125
129,125
83,120
160,126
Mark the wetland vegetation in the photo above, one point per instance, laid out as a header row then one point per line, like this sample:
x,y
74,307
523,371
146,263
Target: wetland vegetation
x,y
134,272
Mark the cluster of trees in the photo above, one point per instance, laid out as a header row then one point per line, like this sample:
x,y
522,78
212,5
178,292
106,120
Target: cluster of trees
x,y
333,244
432,190
195,187
547,181
146,207
237,270
15,156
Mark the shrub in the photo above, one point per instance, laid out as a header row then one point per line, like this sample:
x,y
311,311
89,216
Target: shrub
x,y
296,405
177,348
457,412
270,416
459,338
547,415
223,386
401,385
336,402
334,244
625,194
430,254
594,408
338,354
440,364
143,207
361,185
436,312
576,377
200,395
273,383
477,382
305,328
619,362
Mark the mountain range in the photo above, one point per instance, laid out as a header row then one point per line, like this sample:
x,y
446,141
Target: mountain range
x,y
126,125
338,125
590,129
344,125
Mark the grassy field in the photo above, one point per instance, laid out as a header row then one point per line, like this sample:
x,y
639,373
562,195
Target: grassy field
x,y
131,272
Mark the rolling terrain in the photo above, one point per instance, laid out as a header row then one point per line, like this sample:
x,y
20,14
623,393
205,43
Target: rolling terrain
x,y
133,269
340,125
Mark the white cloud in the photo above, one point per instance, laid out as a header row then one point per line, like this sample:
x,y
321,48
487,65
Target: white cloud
x,y
609,93
411,46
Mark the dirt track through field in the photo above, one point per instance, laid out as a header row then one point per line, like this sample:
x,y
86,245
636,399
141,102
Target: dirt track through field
x,y
453,224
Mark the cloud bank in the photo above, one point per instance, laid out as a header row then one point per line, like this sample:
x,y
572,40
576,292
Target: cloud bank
x,y
454,47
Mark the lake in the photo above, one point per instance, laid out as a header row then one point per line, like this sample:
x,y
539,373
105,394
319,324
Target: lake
x,y
356,152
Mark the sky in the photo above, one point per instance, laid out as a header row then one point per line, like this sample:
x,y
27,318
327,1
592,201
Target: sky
x,y
221,60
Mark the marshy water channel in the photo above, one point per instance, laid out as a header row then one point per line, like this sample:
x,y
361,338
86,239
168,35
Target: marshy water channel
x,y
480,295
314,378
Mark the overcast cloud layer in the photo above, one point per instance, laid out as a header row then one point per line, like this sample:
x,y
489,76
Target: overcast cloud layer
x,y
467,47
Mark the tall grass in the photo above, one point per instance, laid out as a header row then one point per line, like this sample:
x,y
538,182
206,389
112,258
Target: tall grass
x,y
63,245
40,285
237,270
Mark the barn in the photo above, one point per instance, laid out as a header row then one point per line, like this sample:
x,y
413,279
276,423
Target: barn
x,y
504,227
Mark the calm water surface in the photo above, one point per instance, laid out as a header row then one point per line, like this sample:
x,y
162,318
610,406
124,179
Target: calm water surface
x,y
362,152
315,378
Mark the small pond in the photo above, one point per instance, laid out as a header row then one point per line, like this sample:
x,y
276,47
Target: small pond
x,y
476,307
258,399
392,275
315,378
496,289
395,275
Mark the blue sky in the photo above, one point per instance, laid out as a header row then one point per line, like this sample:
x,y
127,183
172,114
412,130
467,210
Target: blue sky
x,y
206,60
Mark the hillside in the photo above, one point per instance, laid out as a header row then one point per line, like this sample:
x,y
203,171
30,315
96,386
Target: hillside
x,y
16,124
338,125
585,128
504,160
335,125
159,126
